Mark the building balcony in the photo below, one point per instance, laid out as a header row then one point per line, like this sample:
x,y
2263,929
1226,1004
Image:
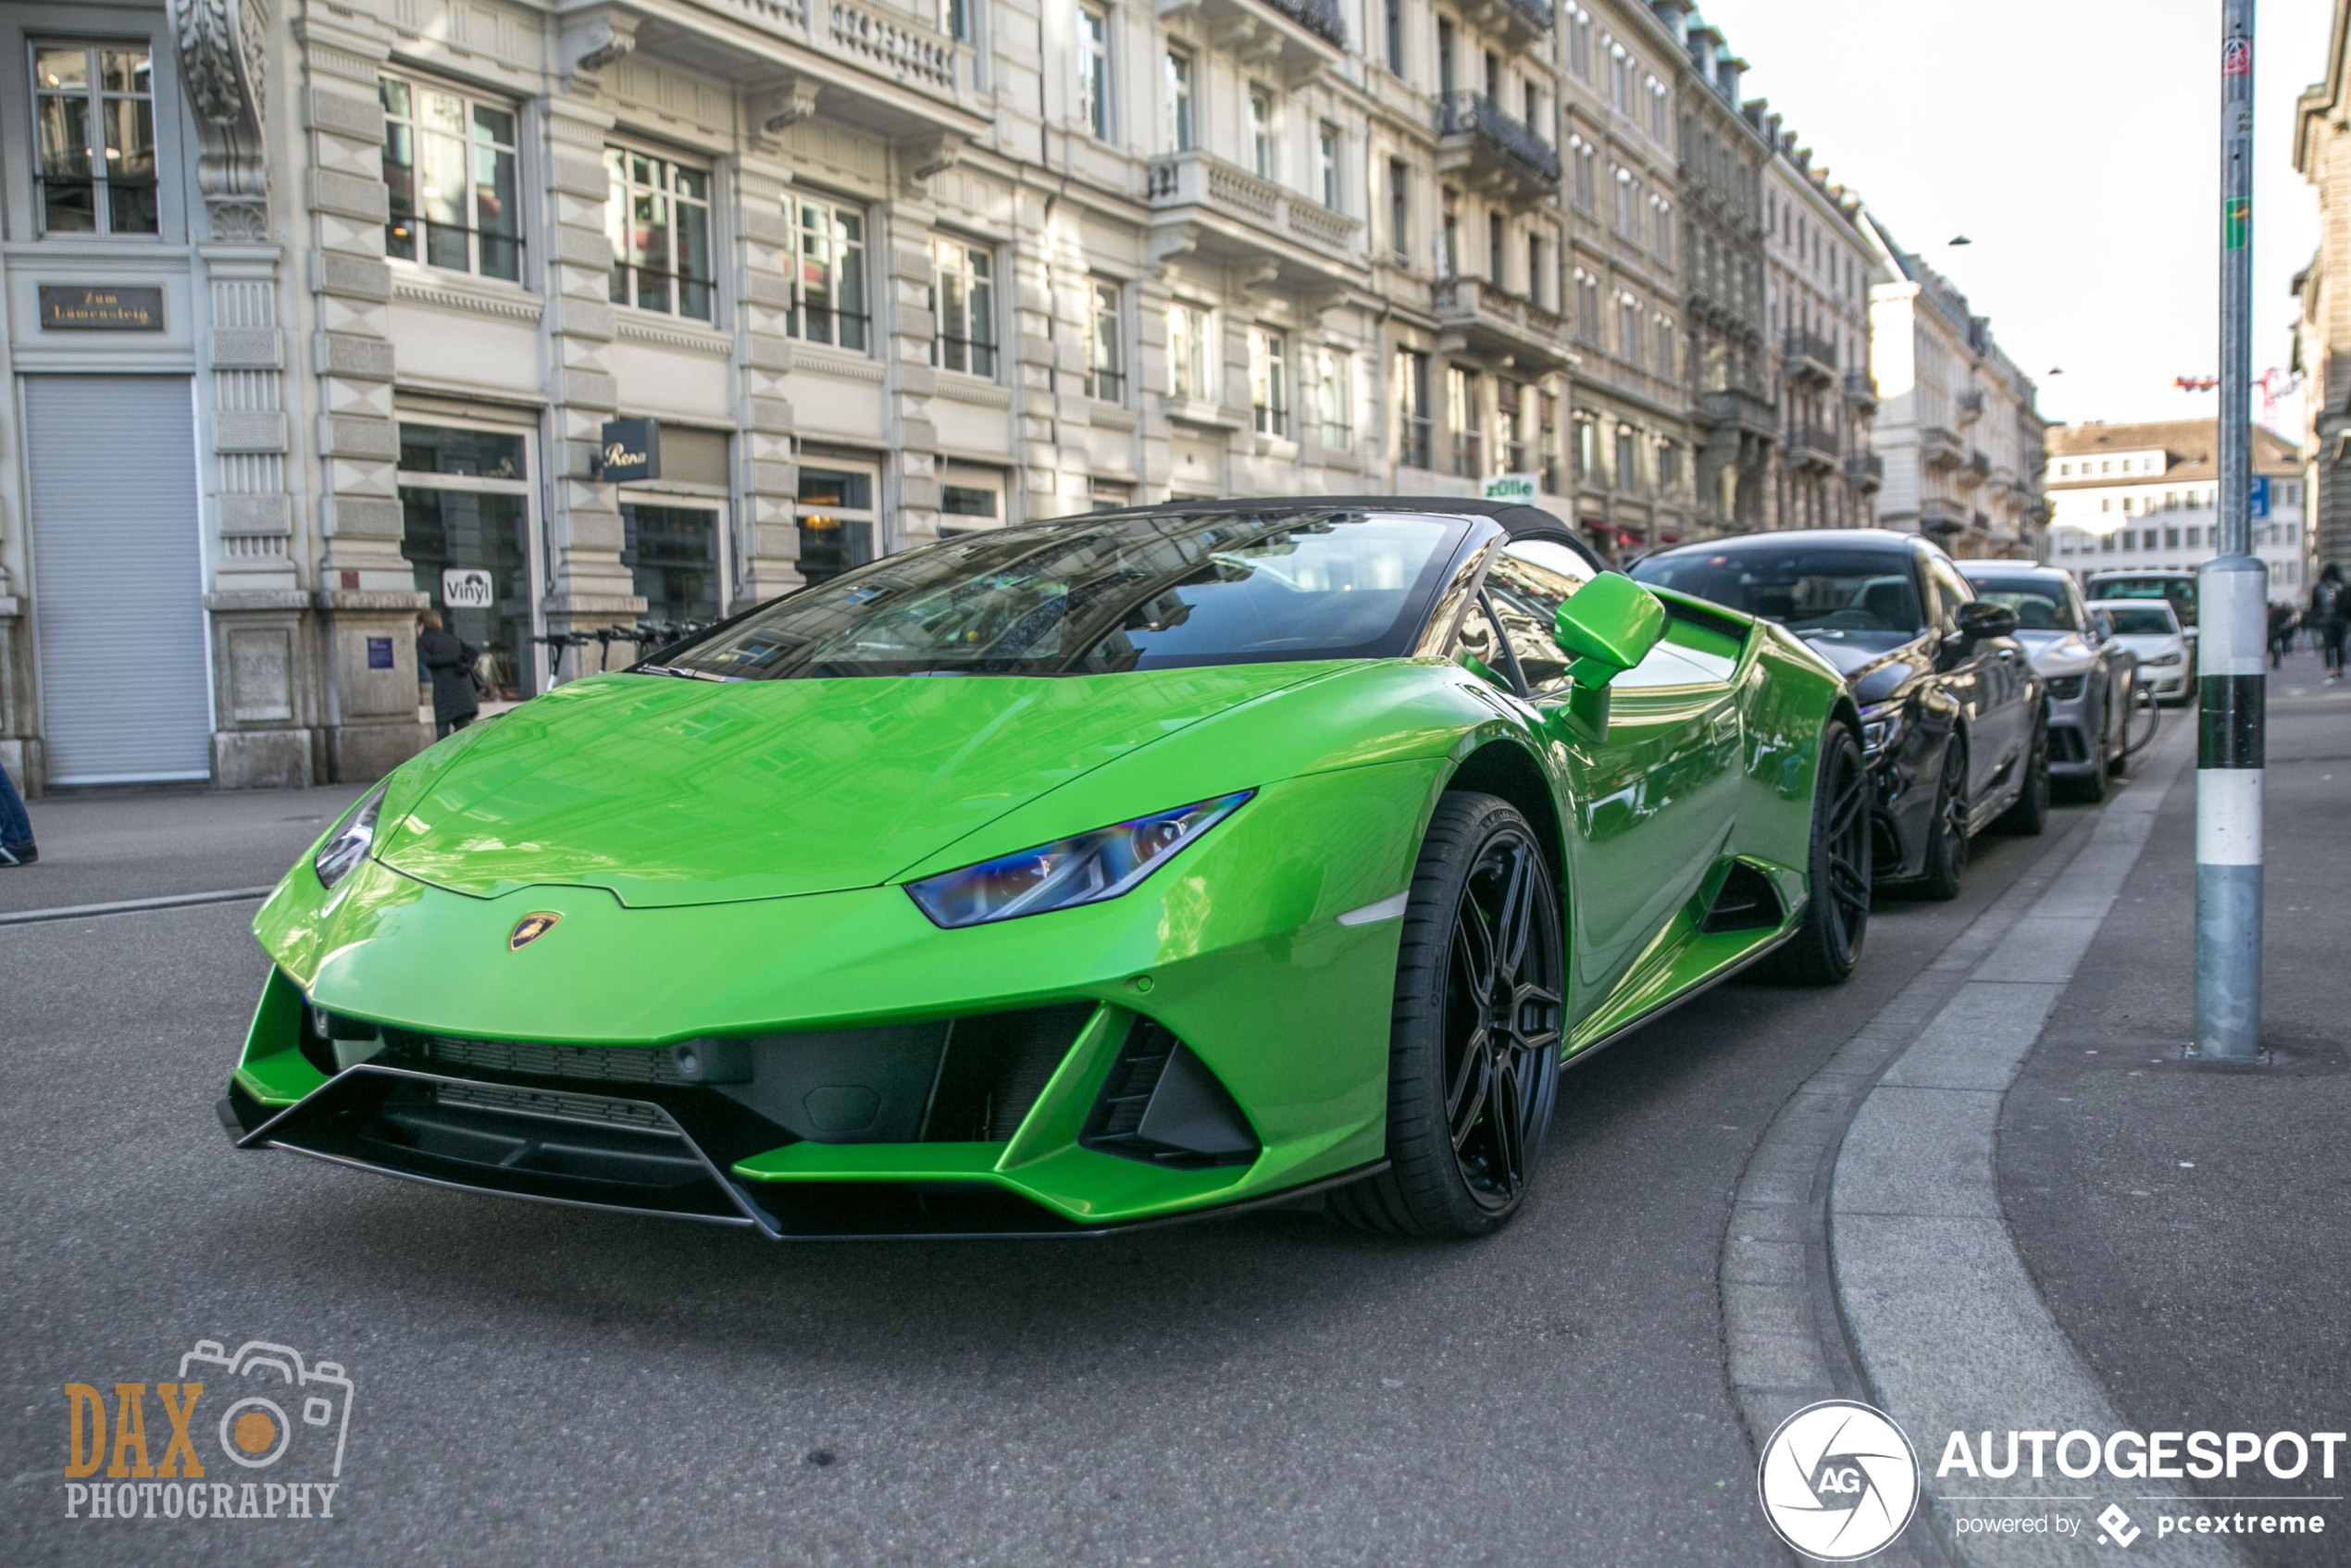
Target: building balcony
x,y
1295,39
1201,203
1477,142
1737,408
1941,514
1971,407
1861,390
1481,320
885,70
1938,448
1864,470
1973,472
1813,448
1810,357
1518,21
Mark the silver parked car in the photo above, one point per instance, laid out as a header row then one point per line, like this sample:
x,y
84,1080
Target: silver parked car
x,y
2088,671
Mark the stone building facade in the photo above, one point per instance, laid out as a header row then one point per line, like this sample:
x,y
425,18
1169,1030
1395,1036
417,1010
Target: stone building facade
x,y
2322,328
1819,272
2137,497
1957,424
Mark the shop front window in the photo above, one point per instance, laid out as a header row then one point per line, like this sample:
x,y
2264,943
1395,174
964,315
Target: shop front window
x,y
465,503
836,521
672,555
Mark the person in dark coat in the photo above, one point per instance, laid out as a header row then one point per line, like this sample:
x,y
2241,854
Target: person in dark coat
x,y
449,660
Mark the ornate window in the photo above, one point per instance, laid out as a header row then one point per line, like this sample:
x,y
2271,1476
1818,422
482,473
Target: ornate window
x,y
657,216
964,298
449,168
95,107
827,265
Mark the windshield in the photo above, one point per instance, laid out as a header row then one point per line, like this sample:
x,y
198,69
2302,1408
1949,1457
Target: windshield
x,y
1863,596
2180,592
2130,620
2039,606
1098,595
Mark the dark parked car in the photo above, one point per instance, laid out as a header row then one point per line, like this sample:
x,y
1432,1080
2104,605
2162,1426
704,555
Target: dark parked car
x,y
2087,671
1953,715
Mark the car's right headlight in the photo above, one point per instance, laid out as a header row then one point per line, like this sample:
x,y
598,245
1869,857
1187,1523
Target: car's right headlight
x,y
1068,872
341,853
2065,688
2172,658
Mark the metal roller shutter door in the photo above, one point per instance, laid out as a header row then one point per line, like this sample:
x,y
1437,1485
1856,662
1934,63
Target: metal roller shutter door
x,y
117,578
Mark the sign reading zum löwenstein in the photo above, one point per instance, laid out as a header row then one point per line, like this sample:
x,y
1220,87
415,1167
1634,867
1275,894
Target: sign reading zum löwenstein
x,y
100,308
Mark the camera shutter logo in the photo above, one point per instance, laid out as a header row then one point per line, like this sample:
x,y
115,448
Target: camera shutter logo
x,y
1838,1481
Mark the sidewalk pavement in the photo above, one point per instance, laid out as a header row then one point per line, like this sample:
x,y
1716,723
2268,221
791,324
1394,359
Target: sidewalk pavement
x,y
2187,1224
141,844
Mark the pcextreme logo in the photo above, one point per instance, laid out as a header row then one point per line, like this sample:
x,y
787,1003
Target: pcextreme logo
x,y
254,1407
1838,1481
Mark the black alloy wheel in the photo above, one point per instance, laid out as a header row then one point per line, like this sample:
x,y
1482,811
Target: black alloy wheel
x,y
1474,1049
1827,943
1946,828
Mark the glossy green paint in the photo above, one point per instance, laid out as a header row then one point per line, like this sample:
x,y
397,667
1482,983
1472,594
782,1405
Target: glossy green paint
x,y
726,860
1609,625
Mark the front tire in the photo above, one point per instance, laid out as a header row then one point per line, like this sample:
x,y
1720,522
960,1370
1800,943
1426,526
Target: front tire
x,y
1947,845
1473,1054
1827,943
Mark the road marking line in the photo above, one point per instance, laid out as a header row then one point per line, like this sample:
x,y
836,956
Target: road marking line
x,y
132,906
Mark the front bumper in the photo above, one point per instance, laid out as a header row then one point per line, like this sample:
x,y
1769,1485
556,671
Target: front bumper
x,y
1155,1057
2169,682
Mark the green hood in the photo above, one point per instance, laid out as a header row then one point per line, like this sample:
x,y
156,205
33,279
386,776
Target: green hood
x,y
670,791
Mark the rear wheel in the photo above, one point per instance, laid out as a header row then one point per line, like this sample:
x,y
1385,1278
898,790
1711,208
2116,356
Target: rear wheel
x,y
2031,812
1836,913
1946,844
1473,1054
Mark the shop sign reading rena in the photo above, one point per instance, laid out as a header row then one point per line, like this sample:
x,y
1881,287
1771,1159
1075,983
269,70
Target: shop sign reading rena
x,y
254,1407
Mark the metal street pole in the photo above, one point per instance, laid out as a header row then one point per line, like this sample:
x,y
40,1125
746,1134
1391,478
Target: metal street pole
x,y
2232,593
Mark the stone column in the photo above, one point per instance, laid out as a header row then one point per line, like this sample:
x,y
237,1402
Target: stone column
x,y
768,536
904,243
364,589
591,587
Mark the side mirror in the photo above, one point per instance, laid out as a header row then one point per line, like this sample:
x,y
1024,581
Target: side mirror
x,y
1980,618
1606,626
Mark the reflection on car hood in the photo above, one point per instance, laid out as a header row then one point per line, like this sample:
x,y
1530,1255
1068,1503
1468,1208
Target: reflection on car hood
x,y
1873,674
2057,653
668,791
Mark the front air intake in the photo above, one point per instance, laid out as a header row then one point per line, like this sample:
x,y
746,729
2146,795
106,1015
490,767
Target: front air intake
x,y
1161,1104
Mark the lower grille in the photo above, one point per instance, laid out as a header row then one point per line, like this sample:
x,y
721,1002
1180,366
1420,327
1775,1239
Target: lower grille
x,y
2066,745
637,1064
563,1107
1161,1104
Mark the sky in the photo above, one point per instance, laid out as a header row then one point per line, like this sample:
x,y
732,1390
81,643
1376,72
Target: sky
x,y
2077,143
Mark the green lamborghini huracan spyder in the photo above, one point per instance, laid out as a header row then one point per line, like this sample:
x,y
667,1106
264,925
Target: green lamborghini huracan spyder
x,y
1072,877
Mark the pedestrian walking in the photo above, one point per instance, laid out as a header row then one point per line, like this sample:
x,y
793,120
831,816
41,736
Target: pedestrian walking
x,y
2330,613
449,660
2280,632
16,829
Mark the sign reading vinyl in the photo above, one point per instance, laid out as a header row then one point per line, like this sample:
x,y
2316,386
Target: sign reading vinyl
x,y
466,588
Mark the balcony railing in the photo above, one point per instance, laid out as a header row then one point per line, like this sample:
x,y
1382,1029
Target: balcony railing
x,y
1977,468
1321,18
1940,514
899,45
1740,407
1810,353
1861,389
1865,470
1201,179
1477,305
1536,14
1481,118
1812,445
1939,448
1971,407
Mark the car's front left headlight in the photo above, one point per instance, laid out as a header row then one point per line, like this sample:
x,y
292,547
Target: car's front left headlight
x,y
350,843
1085,870
2065,688
2164,659
1882,729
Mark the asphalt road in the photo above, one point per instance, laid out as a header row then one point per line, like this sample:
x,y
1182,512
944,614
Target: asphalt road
x,y
538,1384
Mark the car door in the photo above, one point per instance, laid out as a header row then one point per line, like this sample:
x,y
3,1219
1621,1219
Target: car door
x,y
1987,678
1650,805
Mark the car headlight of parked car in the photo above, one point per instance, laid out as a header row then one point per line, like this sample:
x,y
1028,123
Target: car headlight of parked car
x,y
1069,872
350,843
2065,688
2172,658
1881,727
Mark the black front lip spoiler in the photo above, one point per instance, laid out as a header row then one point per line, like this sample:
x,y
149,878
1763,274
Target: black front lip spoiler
x,y
321,1127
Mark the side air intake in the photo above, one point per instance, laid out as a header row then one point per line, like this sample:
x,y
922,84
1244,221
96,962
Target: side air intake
x,y
1747,901
1161,1104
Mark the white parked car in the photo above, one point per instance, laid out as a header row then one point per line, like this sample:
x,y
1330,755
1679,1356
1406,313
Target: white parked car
x,y
2148,628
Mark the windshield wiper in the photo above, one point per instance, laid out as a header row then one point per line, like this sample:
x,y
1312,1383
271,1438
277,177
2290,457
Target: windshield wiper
x,y
679,673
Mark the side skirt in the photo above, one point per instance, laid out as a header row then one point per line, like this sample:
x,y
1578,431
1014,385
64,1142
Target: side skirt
x,y
1640,1021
